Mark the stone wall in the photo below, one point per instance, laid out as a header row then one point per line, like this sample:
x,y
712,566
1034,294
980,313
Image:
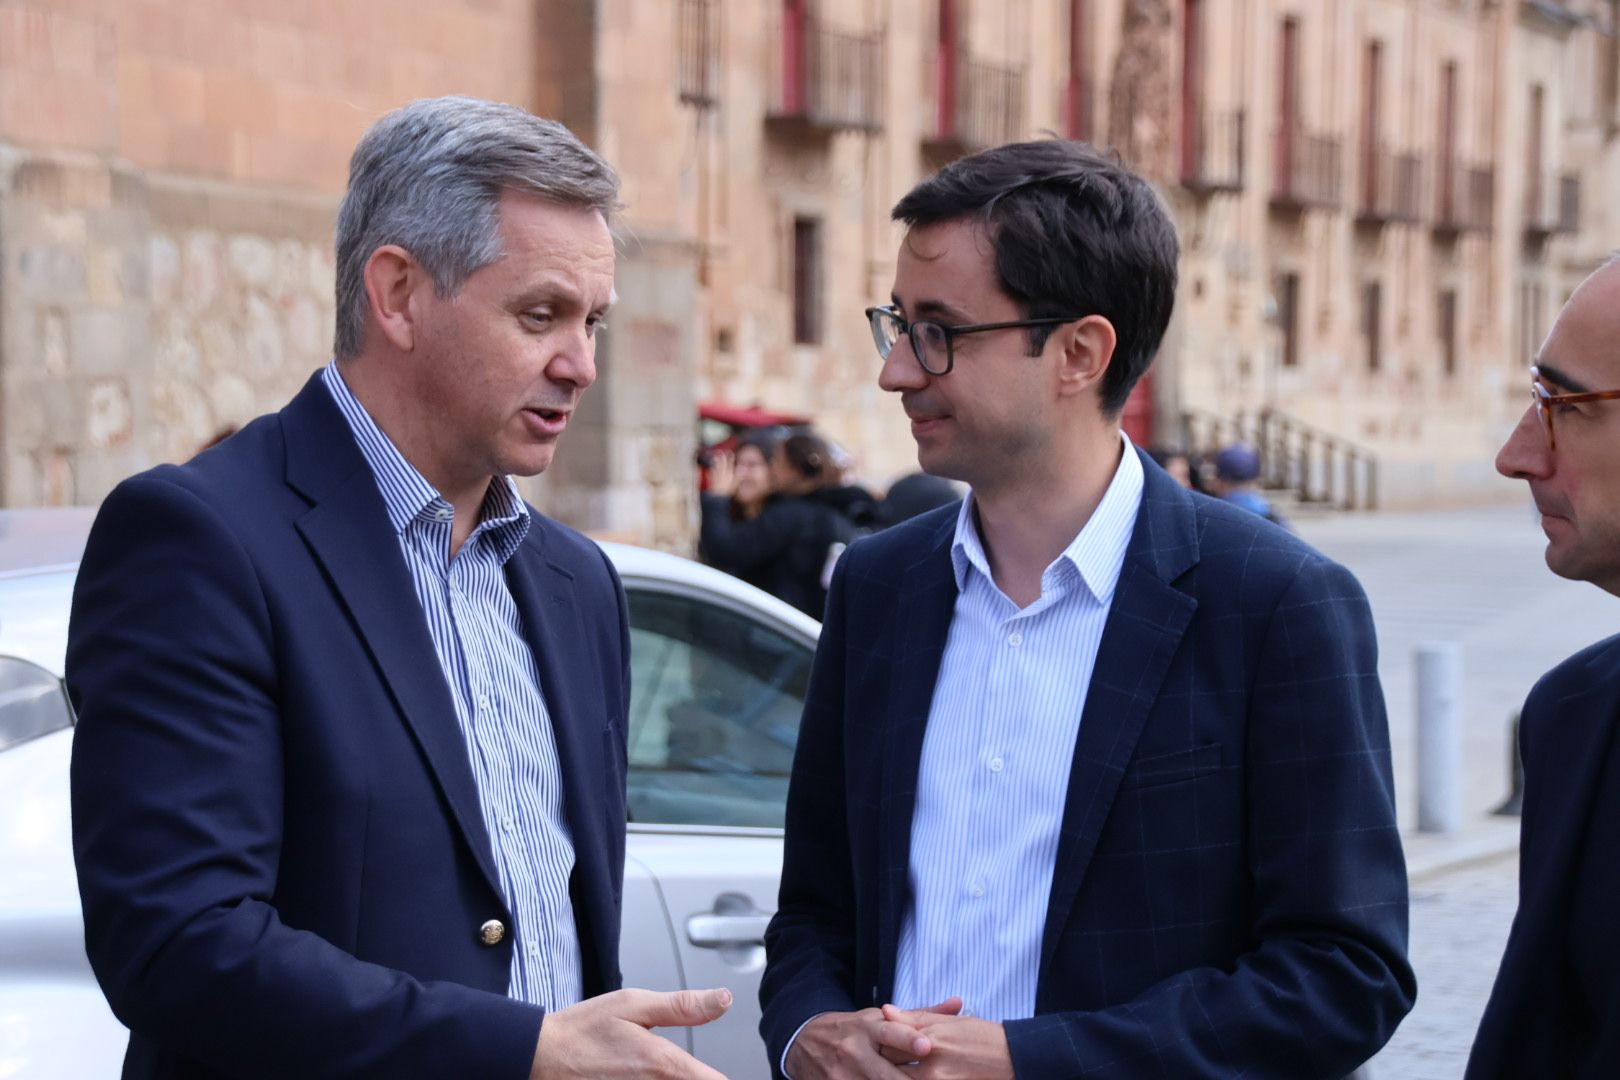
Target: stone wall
x,y
75,316
241,307
262,93
144,316
169,177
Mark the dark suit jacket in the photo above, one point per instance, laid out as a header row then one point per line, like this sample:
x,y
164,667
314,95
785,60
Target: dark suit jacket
x,y
280,851
1555,1009
1229,895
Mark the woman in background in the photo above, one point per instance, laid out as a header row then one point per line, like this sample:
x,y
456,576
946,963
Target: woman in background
x,y
788,547
739,486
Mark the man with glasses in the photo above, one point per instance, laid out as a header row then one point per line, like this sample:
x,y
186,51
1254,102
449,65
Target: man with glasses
x,y
1555,1010
1094,773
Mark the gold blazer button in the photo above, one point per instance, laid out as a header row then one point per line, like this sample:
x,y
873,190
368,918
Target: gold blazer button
x,y
492,932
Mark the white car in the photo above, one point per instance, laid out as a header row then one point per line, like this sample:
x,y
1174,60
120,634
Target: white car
x,y
719,672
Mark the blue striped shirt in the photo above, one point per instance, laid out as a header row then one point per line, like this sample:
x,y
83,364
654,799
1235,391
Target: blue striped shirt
x,y
495,683
994,774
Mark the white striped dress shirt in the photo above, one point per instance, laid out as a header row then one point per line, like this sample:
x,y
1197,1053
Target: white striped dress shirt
x,y
994,773
495,684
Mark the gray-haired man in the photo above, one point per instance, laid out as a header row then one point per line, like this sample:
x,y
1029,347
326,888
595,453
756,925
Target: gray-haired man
x,y
348,784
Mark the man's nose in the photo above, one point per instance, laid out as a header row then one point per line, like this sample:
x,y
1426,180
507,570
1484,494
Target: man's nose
x,y
575,361
900,369
1525,455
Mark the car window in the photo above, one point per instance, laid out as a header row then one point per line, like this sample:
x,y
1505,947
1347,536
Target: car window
x,y
714,712
32,702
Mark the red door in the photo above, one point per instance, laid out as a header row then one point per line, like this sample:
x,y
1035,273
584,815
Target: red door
x,y
1137,419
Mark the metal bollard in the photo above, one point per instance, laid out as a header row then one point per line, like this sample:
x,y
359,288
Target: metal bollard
x,y
1439,731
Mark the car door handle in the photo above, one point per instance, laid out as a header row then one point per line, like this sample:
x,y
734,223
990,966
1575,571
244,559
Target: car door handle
x,y
718,931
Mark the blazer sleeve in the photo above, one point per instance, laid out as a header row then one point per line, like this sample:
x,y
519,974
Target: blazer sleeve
x,y
811,939
177,795
1326,980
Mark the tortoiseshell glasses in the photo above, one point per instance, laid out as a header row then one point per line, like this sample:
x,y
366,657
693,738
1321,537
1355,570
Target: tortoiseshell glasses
x,y
1543,400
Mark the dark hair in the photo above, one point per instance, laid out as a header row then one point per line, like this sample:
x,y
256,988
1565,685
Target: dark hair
x,y
1164,455
810,457
1074,232
760,439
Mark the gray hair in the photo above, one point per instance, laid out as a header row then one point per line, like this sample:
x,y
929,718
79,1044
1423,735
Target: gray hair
x,y
428,177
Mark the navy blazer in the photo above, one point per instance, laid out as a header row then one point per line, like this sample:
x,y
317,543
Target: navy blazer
x,y
1229,896
1546,1017
280,851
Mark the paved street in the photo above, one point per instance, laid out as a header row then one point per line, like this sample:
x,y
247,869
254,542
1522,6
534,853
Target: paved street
x,y
1459,925
1476,577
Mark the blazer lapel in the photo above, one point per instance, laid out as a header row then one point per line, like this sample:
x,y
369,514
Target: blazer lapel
x,y
1144,628
348,531
544,594
926,603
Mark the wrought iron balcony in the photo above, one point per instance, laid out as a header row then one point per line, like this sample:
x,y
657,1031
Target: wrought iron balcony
x,y
1465,198
977,104
1307,170
1552,205
1212,152
827,79
1391,187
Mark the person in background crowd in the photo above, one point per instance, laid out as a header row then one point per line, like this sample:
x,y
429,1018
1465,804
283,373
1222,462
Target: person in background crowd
x,y
743,476
917,493
787,548
808,466
1555,1009
1177,464
1237,481
739,488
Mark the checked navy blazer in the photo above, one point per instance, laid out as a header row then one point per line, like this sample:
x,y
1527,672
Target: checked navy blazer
x,y
1230,895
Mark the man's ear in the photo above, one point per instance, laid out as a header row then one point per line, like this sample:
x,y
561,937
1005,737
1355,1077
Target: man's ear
x,y
1087,350
393,278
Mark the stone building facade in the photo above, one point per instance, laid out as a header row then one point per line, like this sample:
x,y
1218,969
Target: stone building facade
x,y
170,172
1382,204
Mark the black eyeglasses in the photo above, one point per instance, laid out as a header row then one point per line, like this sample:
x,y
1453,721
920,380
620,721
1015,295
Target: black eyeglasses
x,y
932,342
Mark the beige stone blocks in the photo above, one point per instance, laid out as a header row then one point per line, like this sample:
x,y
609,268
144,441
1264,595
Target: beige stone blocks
x,y
57,75
141,318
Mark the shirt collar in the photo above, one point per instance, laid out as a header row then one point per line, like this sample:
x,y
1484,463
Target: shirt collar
x,y
1096,554
407,494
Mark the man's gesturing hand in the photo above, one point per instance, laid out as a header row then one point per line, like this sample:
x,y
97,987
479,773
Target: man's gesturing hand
x,y
961,1047
606,1037
859,1046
